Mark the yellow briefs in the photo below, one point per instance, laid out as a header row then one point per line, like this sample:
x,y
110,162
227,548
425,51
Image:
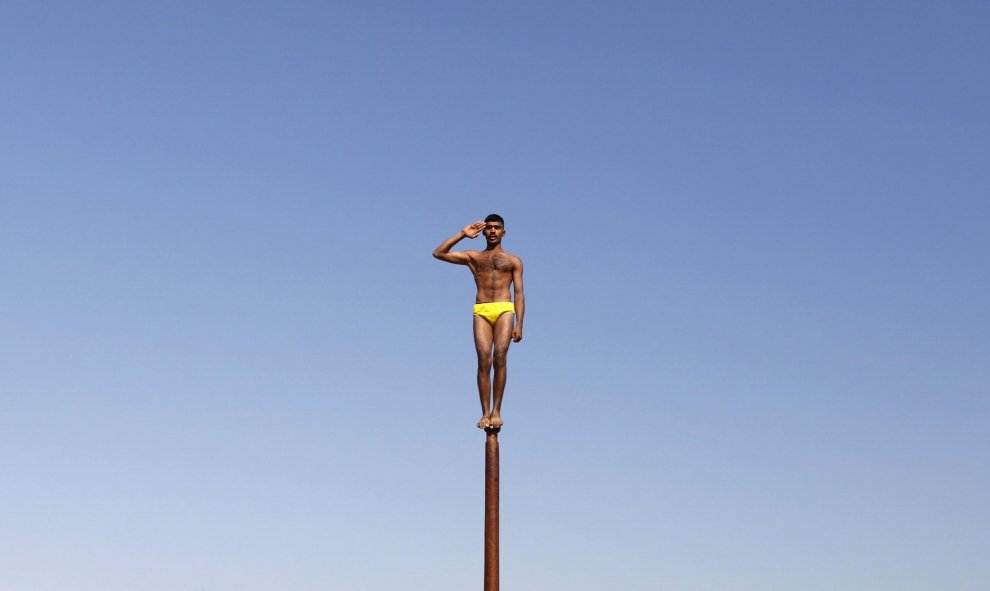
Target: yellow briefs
x,y
490,311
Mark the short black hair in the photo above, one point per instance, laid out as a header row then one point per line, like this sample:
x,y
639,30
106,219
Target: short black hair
x,y
494,217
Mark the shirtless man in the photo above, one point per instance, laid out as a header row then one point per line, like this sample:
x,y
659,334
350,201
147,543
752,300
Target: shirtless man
x,y
496,318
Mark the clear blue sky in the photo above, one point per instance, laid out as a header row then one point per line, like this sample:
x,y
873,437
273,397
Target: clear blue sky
x,y
757,348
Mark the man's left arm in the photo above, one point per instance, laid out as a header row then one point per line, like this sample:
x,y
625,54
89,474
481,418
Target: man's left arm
x,y
519,300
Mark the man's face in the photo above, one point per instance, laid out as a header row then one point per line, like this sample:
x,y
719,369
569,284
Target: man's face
x,y
493,231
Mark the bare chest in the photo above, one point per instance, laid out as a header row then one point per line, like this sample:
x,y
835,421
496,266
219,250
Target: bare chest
x,y
493,263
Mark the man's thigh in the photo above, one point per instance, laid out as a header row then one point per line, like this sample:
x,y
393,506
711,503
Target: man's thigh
x,y
484,336
503,331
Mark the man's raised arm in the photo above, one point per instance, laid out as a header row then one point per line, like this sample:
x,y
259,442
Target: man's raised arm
x,y
443,253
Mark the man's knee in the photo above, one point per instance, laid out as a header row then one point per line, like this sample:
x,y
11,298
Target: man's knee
x,y
500,356
484,362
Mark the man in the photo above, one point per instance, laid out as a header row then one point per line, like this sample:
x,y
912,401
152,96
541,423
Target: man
x,y
496,319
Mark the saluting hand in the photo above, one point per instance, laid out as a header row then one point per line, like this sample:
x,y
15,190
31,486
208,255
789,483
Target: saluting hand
x,y
472,230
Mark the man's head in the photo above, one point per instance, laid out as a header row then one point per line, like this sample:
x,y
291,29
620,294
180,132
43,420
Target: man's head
x,y
494,228
494,217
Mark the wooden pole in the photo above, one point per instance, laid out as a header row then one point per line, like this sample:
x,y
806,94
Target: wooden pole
x,y
491,510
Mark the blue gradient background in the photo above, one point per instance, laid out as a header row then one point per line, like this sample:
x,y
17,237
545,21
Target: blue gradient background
x,y
756,348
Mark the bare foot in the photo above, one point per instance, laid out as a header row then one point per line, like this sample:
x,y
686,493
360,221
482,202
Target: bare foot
x,y
495,422
484,423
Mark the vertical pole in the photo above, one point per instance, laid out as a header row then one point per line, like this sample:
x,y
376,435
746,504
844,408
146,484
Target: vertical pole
x,y
491,510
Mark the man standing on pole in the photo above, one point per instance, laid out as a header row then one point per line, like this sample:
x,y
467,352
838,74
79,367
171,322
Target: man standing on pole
x,y
497,320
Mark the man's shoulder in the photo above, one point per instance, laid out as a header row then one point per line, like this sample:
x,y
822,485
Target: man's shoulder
x,y
515,261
